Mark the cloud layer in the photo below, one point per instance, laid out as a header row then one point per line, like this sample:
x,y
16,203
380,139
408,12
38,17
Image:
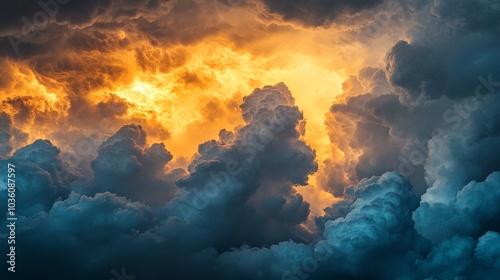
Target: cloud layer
x,y
412,148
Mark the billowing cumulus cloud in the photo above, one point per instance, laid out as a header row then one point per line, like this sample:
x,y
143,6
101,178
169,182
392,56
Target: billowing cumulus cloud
x,y
446,59
252,173
126,167
43,177
460,157
385,118
373,132
242,176
378,220
99,99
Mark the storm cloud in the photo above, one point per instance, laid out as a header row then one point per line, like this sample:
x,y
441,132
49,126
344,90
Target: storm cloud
x,y
318,12
412,146
208,201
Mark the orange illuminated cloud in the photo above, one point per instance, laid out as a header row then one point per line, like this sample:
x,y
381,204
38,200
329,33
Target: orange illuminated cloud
x,y
184,85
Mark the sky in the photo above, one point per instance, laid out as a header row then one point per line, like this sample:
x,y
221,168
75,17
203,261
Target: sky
x,y
251,139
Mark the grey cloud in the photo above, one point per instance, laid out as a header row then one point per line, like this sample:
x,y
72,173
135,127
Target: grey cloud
x,y
5,134
318,12
125,166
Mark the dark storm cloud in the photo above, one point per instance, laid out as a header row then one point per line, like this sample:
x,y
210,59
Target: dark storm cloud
x,y
373,237
462,257
234,214
434,82
94,25
384,133
318,12
464,153
37,14
425,72
456,43
126,167
269,158
436,116
474,16
379,220
452,61
488,254
42,178
255,204
472,212
5,134
16,14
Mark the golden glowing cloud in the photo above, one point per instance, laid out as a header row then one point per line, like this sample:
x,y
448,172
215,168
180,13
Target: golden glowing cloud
x,y
184,93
